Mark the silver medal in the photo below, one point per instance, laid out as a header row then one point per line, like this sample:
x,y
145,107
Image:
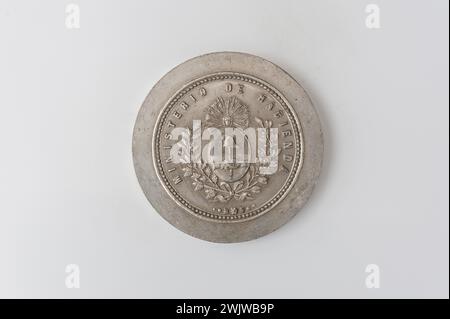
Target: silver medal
x,y
227,147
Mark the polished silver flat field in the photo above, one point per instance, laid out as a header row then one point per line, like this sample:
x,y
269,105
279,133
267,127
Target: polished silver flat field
x,y
220,200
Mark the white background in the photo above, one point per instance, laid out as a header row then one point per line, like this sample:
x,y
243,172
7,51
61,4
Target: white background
x,y
69,98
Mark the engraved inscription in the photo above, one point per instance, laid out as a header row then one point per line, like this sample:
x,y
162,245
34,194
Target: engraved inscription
x,y
236,191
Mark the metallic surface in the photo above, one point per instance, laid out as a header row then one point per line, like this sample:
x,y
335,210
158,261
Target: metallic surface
x,y
228,204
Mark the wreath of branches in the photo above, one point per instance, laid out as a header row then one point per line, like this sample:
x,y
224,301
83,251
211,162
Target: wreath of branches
x,y
204,179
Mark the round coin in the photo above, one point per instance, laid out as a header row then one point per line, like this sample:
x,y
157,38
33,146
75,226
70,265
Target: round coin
x,y
227,147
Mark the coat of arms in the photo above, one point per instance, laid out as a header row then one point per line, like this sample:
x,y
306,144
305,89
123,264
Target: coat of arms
x,y
226,181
